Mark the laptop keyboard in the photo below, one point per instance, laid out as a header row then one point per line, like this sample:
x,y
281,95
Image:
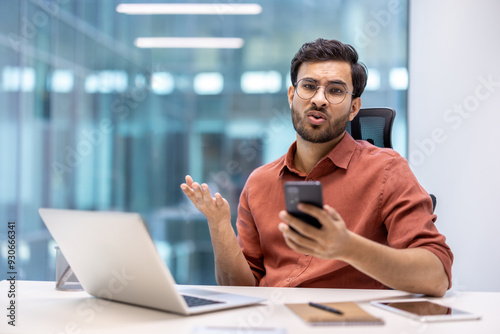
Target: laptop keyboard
x,y
196,301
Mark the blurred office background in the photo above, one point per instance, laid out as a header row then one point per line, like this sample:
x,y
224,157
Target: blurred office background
x,y
94,118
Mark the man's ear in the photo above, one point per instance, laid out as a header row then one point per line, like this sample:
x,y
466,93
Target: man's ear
x,y
291,93
355,106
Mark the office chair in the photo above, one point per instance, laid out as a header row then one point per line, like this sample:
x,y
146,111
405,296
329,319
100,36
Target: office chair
x,y
375,126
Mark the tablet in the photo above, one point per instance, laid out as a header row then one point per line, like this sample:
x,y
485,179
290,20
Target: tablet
x,y
424,310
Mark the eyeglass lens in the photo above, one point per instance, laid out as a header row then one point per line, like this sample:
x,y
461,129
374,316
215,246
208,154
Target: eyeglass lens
x,y
334,93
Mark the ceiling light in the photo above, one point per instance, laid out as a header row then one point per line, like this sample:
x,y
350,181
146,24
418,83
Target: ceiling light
x,y
190,42
261,82
208,83
398,78
189,8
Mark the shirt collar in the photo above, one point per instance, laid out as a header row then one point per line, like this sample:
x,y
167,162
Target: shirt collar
x,y
340,155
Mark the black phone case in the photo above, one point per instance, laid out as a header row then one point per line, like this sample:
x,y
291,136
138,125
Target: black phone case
x,y
309,192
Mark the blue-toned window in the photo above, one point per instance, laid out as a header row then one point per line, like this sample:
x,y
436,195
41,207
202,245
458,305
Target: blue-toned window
x,y
93,118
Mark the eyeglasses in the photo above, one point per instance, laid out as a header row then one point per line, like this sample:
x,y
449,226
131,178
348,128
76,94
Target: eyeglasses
x,y
335,93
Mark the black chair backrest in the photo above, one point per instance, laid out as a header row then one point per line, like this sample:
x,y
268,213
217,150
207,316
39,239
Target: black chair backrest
x,y
373,125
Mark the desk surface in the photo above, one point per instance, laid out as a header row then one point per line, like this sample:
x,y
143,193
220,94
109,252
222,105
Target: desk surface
x,y
42,309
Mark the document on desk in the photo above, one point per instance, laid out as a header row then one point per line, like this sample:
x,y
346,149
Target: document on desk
x,y
351,314
237,330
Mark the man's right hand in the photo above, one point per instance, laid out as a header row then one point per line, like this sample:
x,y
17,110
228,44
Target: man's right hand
x,y
216,209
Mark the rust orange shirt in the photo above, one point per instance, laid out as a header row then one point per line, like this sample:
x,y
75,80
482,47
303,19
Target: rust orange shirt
x,y
374,191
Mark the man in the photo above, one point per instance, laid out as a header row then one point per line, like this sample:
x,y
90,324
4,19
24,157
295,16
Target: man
x,y
377,222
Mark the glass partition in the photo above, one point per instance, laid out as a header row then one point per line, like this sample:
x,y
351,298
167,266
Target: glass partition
x,y
94,118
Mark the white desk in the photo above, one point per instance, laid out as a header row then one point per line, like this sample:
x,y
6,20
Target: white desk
x,y
42,309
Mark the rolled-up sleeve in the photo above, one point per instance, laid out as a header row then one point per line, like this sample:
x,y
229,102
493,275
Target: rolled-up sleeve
x,y
406,209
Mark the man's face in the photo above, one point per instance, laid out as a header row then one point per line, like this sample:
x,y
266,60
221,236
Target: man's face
x,y
317,120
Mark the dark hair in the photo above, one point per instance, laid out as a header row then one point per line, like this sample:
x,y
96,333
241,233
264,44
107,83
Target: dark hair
x,y
326,50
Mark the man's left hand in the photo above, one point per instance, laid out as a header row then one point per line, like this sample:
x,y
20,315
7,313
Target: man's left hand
x,y
328,242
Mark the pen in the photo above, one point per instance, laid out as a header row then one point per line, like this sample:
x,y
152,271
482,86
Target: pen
x,y
326,308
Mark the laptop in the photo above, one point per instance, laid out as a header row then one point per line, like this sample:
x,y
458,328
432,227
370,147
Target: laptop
x,y
114,257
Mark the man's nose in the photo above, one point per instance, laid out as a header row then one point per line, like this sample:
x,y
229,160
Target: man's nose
x,y
319,99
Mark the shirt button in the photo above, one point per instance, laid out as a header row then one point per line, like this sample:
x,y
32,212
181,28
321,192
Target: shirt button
x,y
288,279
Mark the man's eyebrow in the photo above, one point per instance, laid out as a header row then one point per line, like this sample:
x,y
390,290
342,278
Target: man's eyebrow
x,y
336,81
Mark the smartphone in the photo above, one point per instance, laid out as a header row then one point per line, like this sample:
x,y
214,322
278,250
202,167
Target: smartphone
x,y
424,310
309,192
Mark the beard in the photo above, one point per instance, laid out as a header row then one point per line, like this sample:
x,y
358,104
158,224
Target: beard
x,y
312,133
